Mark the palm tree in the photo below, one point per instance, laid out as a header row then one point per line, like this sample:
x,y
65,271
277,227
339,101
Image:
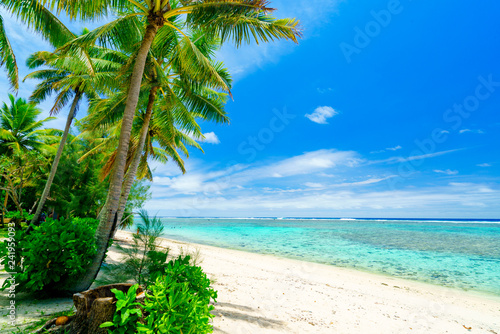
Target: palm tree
x,y
237,20
20,131
142,24
182,99
73,75
33,14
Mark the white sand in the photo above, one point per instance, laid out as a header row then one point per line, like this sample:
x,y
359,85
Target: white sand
x,y
267,294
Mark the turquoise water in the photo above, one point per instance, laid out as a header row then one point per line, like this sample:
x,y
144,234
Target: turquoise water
x,y
464,255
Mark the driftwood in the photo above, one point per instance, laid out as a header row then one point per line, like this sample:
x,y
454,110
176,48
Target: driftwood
x,y
93,307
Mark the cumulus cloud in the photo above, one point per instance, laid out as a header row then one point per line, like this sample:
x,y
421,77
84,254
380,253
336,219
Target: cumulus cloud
x,y
453,200
484,165
321,114
211,138
206,181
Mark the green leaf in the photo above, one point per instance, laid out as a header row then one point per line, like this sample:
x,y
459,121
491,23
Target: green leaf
x,y
106,324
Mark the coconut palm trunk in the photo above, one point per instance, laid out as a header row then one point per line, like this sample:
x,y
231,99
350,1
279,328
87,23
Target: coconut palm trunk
x,y
134,165
55,163
109,218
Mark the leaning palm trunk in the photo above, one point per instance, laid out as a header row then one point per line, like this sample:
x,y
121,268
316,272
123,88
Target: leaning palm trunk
x,y
134,165
53,169
109,219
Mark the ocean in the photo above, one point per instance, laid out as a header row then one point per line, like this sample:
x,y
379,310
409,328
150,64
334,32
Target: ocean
x,y
463,254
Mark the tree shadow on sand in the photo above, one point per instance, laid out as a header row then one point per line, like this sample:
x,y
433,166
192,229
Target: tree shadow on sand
x,y
263,322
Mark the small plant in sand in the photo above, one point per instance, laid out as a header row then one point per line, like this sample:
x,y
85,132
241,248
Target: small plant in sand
x,y
141,257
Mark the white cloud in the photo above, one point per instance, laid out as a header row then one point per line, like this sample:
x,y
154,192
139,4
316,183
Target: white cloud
x,y
201,180
211,138
484,165
309,162
455,200
321,114
447,172
395,148
366,182
319,183
414,157
313,185
471,131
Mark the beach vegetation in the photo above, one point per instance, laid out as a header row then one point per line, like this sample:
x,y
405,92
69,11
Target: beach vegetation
x,y
72,76
19,174
74,181
139,257
20,131
127,312
179,301
140,26
176,305
52,256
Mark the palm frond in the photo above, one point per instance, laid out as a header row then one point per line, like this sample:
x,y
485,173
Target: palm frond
x,y
7,58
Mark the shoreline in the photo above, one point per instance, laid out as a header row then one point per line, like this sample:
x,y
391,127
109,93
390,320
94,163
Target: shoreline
x,y
480,293
477,293
263,293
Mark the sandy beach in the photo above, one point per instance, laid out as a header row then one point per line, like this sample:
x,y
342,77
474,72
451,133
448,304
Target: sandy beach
x,y
267,294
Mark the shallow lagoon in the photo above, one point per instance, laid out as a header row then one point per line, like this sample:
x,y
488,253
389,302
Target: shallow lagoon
x,y
458,254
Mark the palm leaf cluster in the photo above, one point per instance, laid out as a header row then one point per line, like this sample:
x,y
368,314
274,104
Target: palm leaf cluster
x,y
20,131
149,74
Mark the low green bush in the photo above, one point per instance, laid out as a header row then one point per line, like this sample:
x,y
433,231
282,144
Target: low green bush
x,y
52,256
18,215
182,271
172,307
127,312
177,303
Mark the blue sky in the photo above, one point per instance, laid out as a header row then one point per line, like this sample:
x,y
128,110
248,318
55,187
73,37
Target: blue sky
x,y
384,109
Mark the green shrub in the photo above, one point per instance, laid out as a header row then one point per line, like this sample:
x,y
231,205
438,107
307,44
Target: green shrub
x,y
17,215
178,302
127,312
53,255
182,271
172,307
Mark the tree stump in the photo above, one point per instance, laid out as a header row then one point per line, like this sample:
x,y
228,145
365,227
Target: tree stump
x,y
93,307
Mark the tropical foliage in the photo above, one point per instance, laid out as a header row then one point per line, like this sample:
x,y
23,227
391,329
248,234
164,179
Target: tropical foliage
x,y
20,173
52,256
178,302
36,16
149,76
21,132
